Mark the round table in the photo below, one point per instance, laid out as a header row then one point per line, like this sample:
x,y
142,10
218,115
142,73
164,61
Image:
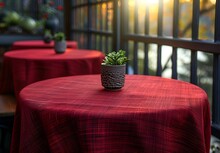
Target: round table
x,y
76,114
24,67
31,44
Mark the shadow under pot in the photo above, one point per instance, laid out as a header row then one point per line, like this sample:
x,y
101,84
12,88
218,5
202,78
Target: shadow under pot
x,y
112,76
60,47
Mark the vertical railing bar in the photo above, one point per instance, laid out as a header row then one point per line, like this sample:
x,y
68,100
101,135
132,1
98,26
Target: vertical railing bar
x,y
106,28
124,28
21,9
101,26
217,21
175,35
195,19
146,57
135,57
195,29
72,19
216,76
89,44
159,32
124,20
95,25
216,90
116,25
193,69
135,51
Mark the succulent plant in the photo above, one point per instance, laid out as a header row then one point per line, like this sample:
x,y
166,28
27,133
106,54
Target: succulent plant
x,y
60,36
115,58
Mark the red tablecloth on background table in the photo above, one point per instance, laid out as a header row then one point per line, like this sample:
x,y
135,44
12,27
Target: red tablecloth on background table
x,y
21,68
76,115
31,44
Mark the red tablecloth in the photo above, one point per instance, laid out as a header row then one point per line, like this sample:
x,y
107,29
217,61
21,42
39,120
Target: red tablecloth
x,y
75,114
25,67
30,44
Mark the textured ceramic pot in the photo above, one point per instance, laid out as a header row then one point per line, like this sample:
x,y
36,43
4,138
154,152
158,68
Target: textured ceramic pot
x,y
60,46
112,76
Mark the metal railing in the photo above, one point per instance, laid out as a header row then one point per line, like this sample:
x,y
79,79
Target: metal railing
x,y
91,30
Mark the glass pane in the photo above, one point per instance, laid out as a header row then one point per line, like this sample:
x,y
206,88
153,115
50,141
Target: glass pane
x,y
166,61
83,15
207,20
131,8
98,41
93,43
104,16
110,44
183,64
109,16
141,17
141,58
185,19
93,16
168,18
130,57
152,59
205,72
153,17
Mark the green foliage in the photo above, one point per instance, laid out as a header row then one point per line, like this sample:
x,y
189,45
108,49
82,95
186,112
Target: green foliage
x,y
12,18
28,24
115,58
60,36
47,32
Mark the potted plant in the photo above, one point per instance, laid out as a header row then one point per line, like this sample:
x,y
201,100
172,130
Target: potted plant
x,y
59,42
47,36
51,13
113,70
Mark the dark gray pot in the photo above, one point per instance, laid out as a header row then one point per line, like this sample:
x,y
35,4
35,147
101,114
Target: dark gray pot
x,y
60,46
112,76
52,23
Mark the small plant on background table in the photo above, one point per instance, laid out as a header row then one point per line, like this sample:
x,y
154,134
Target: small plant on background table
x,y
48,37
60,42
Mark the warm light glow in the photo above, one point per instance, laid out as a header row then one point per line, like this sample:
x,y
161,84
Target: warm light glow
x,y
213,1
147,2
104,6
184,1
131,3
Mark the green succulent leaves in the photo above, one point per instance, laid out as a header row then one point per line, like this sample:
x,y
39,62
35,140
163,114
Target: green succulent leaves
x,y
60,36
115,58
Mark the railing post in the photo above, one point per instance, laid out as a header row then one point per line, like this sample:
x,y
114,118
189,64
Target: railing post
x,y
195,29
175,35
216,78
159,33
89,35
116,25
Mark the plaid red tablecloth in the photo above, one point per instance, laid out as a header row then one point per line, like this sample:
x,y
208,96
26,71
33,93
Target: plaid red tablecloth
x,y
30,44
76,115
21,68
